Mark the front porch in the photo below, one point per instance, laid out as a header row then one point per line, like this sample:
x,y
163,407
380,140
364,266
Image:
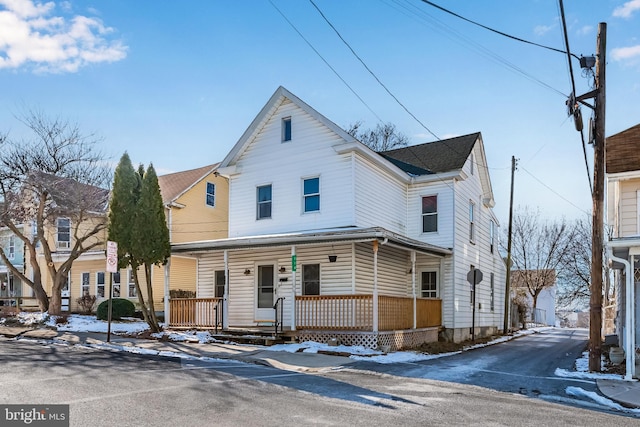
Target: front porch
x,y
374,321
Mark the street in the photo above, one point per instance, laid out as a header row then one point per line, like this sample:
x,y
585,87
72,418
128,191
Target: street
x,y
113,388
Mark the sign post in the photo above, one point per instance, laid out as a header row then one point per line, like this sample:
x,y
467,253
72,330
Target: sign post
x,y
112,267
474,277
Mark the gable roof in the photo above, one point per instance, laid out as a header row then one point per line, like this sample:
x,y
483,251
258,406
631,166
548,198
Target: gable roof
x,y
174,185
69,194
433,157
265,114
622,154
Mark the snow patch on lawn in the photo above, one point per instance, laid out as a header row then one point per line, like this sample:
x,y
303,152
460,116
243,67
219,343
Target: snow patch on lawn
x,y
87,323
582,371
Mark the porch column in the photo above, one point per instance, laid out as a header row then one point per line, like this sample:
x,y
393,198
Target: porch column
x,y
225,297
413,287
294,262
375,286
631,311
167,277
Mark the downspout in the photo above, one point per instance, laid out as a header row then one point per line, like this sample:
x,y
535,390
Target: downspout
x,y
628,319
167,276
375,286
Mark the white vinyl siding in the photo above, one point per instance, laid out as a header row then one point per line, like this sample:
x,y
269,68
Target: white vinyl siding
x,y
444,192
312,153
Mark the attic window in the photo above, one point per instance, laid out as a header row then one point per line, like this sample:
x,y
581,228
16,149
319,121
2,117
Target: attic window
x,y
286,129
211,194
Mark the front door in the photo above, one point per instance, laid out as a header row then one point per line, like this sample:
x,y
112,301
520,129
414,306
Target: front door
x,y
264,292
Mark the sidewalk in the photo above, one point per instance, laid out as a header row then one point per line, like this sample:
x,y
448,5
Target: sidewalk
x,y
626,393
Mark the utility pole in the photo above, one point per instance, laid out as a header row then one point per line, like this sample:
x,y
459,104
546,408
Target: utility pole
x,y
507,292
595,303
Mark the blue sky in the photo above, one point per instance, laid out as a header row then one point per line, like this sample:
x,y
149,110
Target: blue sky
x,y
177,83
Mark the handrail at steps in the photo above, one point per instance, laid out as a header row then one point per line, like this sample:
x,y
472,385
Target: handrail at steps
x,y
278,319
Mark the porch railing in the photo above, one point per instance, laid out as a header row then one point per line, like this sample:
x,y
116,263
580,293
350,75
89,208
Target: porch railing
x,y
355,312
195,312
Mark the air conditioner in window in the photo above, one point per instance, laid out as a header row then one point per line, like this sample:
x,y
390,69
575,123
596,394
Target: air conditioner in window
x,y
63,245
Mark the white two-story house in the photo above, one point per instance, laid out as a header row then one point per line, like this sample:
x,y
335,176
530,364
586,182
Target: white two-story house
x,y
623,247
334,240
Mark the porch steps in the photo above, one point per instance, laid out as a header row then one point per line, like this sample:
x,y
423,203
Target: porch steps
x,y
257,336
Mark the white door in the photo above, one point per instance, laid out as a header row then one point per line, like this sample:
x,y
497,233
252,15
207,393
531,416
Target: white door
x,y
265,287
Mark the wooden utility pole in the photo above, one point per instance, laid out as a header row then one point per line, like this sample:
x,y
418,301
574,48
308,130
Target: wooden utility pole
x,y
595,303
507,292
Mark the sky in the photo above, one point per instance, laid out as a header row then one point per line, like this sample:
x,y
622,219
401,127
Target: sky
x,y
177,83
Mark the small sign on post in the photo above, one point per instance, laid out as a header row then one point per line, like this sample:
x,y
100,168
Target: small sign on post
x,y
474,277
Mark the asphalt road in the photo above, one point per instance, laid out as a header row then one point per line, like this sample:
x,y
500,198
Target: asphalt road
x,y
123,389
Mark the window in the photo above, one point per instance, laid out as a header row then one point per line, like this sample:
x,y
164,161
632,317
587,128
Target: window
x,y
100,284
11,250
211,194
492,237
429,214
85,283
472,229
220,283
133,292
264,202
492,294
64,232
311,194
429,284
311,279
116,285
286,129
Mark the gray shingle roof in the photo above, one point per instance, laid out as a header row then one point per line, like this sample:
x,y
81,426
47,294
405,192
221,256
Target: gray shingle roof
x,y
433,157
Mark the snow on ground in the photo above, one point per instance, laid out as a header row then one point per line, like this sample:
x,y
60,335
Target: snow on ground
x,y
86,323
582,371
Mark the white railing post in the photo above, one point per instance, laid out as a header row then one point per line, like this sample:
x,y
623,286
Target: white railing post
x,y
413,286
375,286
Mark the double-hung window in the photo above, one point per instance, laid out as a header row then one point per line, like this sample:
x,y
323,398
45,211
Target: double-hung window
x,y
11,250
133,292
211,194
311,279
311,189
492,235
100,284
472,225
116,285
429,284
85,283
220,281
64,232
264,202
429,214
286,129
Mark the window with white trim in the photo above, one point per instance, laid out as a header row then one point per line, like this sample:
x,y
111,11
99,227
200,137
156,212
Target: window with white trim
x,y
64,233
492,236
429,214
311,196
429,284
211,194
472,225
311,279
133,291
100,279
220,281
286,129
264,201
11,250
85,280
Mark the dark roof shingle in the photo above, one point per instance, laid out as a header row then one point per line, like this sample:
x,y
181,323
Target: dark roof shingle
x,y
623,151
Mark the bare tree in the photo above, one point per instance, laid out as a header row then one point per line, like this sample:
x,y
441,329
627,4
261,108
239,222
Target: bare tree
x,y
538,251
57,175
383,138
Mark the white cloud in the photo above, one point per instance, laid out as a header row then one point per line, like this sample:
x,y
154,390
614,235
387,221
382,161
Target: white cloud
x,y
585,30
541,30
30,37
627,9
625,53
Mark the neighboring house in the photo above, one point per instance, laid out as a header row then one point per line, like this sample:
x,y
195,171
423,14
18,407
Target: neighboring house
x,y
331,239
544,281
623,219
10,285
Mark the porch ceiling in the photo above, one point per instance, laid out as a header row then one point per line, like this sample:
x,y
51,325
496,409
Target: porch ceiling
x,y
351,234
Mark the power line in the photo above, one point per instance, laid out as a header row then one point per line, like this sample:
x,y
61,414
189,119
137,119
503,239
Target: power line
x,y
554,191
324,60
496,31
371,72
